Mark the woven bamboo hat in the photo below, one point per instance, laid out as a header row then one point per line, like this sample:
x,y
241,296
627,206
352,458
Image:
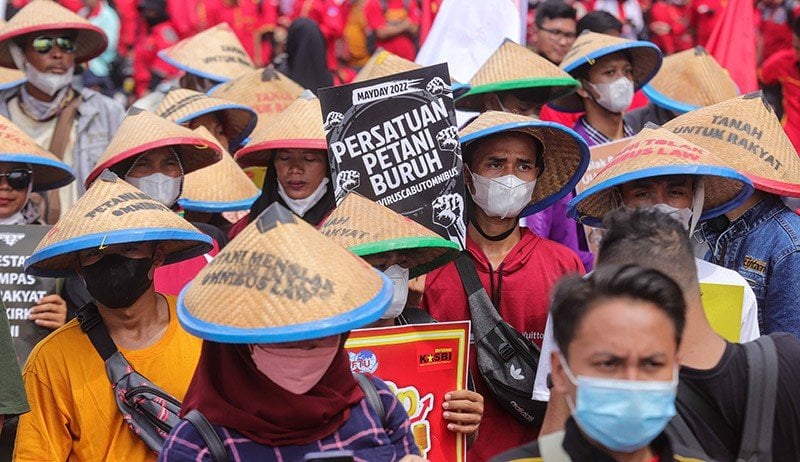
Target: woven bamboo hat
x,y
282,281
10,78
747,136
142,131
368,228
113,212
565,155
656,152
265,90
689,80
514,67
46,15
48,171
590,46
220,187
214,54
383,63
182,105
299,126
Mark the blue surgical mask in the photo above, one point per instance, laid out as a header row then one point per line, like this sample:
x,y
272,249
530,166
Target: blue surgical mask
x,y
622,415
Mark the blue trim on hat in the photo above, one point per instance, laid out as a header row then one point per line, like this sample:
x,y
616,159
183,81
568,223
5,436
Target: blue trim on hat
x,y
460,89
696,170
216,207
667,102
583,150
353,319
121,236
615,48
211,90
43,161
218,78
7,85
224,107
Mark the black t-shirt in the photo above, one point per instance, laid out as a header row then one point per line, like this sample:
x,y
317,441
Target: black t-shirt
x,y
725,386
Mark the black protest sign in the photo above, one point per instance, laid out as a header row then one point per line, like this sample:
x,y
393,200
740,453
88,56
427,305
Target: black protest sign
x,y
20,291
394,140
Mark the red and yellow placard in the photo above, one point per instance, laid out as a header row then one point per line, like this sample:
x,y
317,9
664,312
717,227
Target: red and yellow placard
x,y
420,363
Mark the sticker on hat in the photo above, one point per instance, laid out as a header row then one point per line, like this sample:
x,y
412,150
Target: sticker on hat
x,y
215,53
746,135
658,152
565,157
48,171
368,228
383,63
282,281
514,67
112,212
142,131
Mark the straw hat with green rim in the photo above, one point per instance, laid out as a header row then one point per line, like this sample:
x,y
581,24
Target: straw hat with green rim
x,y
514,67
590,46
368,228
142,131
657,152
40,16
220,187
113,212
48,171
265,90
282,281
383,63
214,54
746,135
182,105
299,126
565,155
689,80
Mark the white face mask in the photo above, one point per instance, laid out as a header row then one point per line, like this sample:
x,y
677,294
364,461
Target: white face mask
x,y
44,81
296,370
160,187
301,206
502,197
684,215
399,277
615,96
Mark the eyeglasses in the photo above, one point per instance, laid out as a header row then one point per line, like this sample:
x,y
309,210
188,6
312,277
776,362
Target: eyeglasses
x,y
560,34
44,44
18,179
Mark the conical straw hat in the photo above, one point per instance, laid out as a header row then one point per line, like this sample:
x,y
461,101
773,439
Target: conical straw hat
x,y
214,54
220,187
514,67
298,126
656,152
182,105
368,228
46,15
142,131
282,281
48,171
590,46
565,156
113,212
265,90
747,136
689,80
383,63
10,78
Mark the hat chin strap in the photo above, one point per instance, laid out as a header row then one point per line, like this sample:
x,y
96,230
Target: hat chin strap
x,y
697,203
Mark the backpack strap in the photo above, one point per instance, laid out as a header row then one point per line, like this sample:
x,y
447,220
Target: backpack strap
x,y
759,416
552,449
216,449
680,433
92,325
371,394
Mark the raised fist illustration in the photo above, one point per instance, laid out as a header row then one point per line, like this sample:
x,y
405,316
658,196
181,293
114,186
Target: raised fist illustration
x,y
447,139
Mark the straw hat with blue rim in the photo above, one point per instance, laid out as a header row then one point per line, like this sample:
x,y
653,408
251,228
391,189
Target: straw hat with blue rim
x,y
282,281
565,156
215,54
48,171
113,212
590,46
657,152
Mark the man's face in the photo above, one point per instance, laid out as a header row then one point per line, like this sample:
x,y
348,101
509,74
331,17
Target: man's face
x,y
554,38
513,102
510,153
610,68
54,60
674,190
134,250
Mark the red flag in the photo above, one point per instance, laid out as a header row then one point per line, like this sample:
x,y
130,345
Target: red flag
x,y
733,43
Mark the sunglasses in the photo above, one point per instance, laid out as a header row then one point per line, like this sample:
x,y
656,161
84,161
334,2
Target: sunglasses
x,y
18,179
44,44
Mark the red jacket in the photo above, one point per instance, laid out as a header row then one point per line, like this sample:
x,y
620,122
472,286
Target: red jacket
x,y
244,17
669,27
145,56
330,16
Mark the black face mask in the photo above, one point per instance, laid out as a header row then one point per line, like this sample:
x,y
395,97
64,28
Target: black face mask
x,y
116,281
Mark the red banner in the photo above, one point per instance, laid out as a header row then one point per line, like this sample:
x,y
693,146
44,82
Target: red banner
x,y
420,363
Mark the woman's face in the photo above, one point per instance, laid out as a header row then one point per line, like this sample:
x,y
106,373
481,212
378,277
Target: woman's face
x,y
159,160
300,171
11,199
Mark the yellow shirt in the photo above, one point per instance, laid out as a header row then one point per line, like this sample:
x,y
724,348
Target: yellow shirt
x,y
73,413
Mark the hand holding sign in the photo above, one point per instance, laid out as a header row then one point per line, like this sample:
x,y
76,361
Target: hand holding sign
x,y
50,312
463,411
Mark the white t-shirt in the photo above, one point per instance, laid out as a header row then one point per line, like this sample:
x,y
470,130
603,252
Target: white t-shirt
x,y
707,273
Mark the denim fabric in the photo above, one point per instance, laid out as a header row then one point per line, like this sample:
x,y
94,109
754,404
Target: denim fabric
x,y
763,245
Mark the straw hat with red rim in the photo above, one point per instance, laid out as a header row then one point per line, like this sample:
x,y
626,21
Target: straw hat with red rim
x,y
113,212
383,63
299,126
142,131
214,54
746,134
41,16
514,67
48,171
590,46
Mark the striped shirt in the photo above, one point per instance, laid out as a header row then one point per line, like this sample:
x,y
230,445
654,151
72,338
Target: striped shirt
x,y
593,137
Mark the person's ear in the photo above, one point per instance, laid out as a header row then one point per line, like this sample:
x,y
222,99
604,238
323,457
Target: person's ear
x,y
558,375
584,89
158,259
468,178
